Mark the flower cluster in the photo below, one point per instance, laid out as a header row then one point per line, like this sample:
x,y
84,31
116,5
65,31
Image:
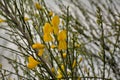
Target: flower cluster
x,y
32,62
53,28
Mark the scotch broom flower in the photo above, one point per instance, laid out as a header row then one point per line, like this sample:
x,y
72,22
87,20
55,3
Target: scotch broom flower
x,y
40,52
38,46
55,23
1,20
47,37
62,45
64,55
47,28
59,74
62,67
55,30
32,62
55,20
62,35
53,46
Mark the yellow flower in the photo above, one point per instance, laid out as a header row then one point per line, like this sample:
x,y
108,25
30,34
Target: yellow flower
x,y
47,37
64,55
62,35
50,13
74,64
55,20
38,6
1,20
55,23
38,46
59,76
47,28
52,70
59,71
53,46
32,62
62,45
26,18
62,67
40,52
55,30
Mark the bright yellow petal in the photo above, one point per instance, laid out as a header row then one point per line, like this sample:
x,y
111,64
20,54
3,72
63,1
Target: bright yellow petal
x,y
62,35
47,37
31,66
38,46
55,30
40,52
59,76
62,67
62,45
53,46
1,20
64,55
47,28
32,62
55,20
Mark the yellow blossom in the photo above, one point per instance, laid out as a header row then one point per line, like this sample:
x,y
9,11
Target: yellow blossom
x,y
62,67
59,71
55,23
62,45
59,76
50,13
47,37
1,20
32,62
38,6
40,52
74,64
55,20
38,46
64,55
47,28
55,30
53,46
26,18
52,70
62,35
